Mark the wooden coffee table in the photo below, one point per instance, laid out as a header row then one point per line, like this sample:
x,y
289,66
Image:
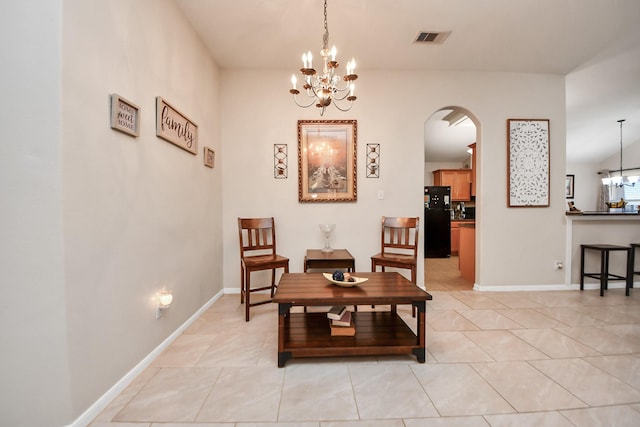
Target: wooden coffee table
x,y
377,333
339,258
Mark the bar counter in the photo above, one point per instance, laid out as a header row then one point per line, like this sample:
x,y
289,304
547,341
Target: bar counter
x,y
615,228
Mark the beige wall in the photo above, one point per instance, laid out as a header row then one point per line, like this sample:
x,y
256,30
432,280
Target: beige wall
x,y
35,386
140,214
98,222
516,246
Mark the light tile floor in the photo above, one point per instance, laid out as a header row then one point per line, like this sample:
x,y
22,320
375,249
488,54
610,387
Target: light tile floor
x,y
494,359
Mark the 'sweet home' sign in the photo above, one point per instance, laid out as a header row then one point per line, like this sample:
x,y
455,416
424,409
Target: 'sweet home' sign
x,y
125,115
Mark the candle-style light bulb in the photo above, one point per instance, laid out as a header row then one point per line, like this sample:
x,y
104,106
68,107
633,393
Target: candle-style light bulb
x,y
352,87
310,59
294,80
333,53
304,60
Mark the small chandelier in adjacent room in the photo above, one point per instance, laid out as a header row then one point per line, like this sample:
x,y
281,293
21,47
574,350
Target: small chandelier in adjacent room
x,y
620,180
323,89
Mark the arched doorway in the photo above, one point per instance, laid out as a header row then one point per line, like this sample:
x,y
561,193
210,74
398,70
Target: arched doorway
x,y
451,139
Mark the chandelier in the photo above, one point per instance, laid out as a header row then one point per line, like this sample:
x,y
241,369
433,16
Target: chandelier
x,y
620,180
327,87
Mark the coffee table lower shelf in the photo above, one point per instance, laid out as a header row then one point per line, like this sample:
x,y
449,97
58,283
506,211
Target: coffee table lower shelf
x,y
377,333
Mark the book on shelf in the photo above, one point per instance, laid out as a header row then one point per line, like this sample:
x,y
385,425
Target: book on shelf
x,y
344,327
345,320
343,331
336,312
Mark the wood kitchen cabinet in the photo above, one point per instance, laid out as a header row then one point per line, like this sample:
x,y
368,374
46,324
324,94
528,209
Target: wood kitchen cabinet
x,y
467,251
455,237
458,179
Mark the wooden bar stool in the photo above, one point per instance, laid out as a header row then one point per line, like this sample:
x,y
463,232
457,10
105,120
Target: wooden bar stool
x,y
632,266
604,275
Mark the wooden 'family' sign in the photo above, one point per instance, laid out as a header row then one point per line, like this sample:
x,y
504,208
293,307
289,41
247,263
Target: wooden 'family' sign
x,y
173,126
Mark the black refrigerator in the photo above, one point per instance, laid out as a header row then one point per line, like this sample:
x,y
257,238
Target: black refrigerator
x,y
437,218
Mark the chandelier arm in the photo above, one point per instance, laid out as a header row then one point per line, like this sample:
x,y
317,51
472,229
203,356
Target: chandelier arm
x,y
315,92
344,110
340,98
295,99
346,87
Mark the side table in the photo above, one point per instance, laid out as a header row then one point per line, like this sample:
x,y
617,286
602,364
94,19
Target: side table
x,y
339,258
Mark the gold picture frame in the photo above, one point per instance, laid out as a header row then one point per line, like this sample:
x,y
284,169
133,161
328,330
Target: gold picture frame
x,y
209,157
327,160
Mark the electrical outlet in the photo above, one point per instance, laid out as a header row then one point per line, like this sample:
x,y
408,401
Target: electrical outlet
x,y
380,194
558,265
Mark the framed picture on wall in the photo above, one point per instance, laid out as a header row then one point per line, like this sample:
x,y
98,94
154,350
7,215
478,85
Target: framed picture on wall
x,y
209,157
528,162
568,186
125,115
175,127
327,160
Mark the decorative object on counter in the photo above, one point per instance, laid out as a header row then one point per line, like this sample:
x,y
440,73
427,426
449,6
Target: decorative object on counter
x,y
620,180
616,206
175,127
327,229
280,161
572,209
324,89
209,157
528,162
373,160
459,211
327,160
569,186
125,115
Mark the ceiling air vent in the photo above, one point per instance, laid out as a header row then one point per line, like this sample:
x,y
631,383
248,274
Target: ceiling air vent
x,y
430,37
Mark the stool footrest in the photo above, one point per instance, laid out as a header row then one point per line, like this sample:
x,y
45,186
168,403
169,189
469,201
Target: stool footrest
x,y
609,276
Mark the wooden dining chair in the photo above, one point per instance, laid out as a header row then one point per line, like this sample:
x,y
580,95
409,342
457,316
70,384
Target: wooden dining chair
x,y
398,246
258,252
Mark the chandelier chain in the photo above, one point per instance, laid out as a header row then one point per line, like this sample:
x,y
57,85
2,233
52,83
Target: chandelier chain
x,y
325,37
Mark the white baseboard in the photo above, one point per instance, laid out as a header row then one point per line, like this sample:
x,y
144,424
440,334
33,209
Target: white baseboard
x,y
94,410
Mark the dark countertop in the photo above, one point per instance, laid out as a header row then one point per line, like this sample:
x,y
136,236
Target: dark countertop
x,y
601,213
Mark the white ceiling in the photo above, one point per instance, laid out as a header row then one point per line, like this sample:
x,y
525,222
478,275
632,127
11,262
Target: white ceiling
x,y
596,43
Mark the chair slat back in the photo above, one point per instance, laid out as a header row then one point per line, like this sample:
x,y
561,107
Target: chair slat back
x,y
400,233
257,234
